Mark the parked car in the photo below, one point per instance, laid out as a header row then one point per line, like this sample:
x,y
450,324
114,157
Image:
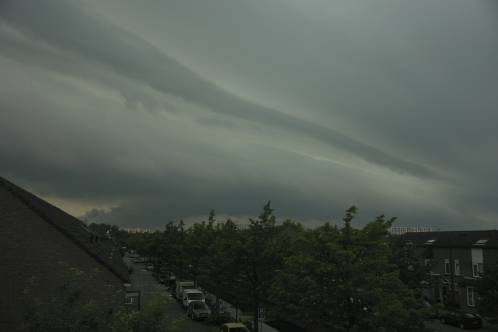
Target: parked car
x,y
190,295
462,319
150,267
181,286
198,310
233,327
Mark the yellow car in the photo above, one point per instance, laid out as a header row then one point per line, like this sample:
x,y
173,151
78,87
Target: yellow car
x,y
233,327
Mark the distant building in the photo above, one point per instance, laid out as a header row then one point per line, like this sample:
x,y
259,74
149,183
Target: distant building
x,y
399,230
139,230
456,261
39,243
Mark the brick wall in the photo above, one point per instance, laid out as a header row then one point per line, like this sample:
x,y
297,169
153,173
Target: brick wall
x,y
490,257
465,259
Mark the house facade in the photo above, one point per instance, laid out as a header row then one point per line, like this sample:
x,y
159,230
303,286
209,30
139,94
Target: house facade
x,y
42,248
456,261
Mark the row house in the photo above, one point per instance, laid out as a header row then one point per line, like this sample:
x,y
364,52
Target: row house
x,y
456,260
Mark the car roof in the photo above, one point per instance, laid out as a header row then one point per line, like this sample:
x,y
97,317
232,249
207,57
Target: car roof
x,y
192,291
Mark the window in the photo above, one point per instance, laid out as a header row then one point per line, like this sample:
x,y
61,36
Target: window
x,y
457,267
470,297
447,266
477,259
481,242
477,269
194,296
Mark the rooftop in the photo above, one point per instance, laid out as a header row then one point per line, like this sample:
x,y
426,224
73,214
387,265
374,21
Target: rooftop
x,y
454,239
101,249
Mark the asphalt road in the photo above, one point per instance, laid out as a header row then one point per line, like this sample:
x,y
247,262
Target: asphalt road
x,y
439,327
142,280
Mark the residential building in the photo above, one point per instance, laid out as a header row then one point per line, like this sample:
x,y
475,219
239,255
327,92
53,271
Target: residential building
x,y
399,230
456,260
40,245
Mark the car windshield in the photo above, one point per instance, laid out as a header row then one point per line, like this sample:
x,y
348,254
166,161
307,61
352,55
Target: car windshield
x,y
195,296
467,315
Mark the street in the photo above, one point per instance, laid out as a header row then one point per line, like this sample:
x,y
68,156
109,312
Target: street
x,y
142,280
439,327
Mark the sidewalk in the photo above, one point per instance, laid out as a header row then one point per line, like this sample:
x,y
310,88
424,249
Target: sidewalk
x,y
437,326
242,316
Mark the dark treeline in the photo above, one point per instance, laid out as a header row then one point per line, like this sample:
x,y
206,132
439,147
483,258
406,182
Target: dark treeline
x,y
344,278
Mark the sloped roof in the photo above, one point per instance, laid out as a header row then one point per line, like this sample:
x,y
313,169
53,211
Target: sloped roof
x,y
102,250
454,239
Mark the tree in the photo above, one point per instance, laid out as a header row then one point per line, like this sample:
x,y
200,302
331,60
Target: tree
x,y
345,279
220,269
172,244
198,239
212,216
413,272
259,260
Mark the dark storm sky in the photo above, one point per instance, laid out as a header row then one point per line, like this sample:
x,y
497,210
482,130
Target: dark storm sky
x,y
142,112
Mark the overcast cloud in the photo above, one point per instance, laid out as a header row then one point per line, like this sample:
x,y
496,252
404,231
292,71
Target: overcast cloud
x,y
139,113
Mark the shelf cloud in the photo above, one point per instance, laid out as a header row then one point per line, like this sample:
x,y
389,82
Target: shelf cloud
x,y
167,110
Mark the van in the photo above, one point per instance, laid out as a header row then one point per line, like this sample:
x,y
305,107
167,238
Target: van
x,y
190,295
181,286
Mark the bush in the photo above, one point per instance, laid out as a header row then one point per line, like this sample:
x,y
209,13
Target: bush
x,y
69,309
154,317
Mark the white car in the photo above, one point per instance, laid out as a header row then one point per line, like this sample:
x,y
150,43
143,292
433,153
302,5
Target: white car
x,y
190,295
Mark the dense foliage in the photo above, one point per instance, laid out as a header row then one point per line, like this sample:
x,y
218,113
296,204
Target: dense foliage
x,y
343,278
69,310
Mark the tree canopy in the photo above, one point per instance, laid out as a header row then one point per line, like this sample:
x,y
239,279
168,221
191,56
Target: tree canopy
x,y
334,276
